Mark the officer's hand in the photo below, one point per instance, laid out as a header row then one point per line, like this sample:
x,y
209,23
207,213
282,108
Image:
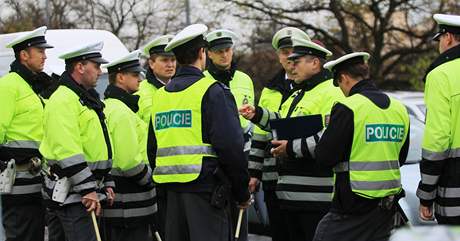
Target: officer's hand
x,y
91,202
253,182
246,204
247,111
426,213
110,195
279,149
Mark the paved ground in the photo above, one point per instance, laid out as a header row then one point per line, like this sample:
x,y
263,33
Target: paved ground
x,y
253,237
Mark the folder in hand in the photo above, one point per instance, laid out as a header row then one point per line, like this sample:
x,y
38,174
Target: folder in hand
x,y
296,127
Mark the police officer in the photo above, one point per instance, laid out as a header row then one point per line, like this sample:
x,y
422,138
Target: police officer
x,y
222,68
21,119
197,145
130,215
304,189
76,145
441,142
262,164
161,68
366,142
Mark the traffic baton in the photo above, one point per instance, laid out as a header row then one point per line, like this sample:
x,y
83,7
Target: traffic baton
x,y
96,229
238,225
157,235
155,232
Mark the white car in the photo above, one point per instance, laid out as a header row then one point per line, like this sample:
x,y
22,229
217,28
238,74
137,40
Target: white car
x,y
62,40
410,172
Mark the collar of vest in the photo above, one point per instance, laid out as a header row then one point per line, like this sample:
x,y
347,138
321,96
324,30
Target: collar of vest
x,y
152,79
315,80
185,76
89,98
38,82
129,100
363,85
223,76
449,55
281,84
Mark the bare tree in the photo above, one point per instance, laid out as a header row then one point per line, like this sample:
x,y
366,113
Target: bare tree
x,y
393,31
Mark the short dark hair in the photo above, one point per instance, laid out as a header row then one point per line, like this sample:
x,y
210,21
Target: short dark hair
x,y
322,61
456,37
153,57
188,52
70,67
17,53
356,71
113,77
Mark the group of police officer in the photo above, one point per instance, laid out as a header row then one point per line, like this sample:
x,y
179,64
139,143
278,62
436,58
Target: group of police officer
x,y
177,155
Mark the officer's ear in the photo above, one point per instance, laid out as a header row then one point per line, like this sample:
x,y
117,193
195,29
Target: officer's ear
x,y
120,77
80,67
23,55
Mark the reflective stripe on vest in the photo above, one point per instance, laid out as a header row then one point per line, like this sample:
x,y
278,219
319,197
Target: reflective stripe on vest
x,y
176,119
304,180
131,212
22,144
304,196
378,137
185,150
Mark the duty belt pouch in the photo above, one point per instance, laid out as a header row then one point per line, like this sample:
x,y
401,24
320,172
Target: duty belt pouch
x,y
219,197
7,177
61,189
387,203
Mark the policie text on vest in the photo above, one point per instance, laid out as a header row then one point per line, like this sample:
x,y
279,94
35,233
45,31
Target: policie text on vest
x,y
384,132
173,119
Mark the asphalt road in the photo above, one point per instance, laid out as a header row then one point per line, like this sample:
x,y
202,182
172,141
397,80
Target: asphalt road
x,y
253,237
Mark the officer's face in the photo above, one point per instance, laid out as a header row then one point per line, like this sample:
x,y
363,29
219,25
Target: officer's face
x,y
129,81
222,58
164,67
345,83
91,72
33,58
283,58
446,41
304,68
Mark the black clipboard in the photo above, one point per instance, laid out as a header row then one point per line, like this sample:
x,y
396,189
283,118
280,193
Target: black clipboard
x,y
296,127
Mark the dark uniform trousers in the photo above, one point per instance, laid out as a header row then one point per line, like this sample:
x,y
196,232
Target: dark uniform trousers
x,y
301,225
160,216
18,224
74,220
139,232
278,224
192,218
372,226
55,229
